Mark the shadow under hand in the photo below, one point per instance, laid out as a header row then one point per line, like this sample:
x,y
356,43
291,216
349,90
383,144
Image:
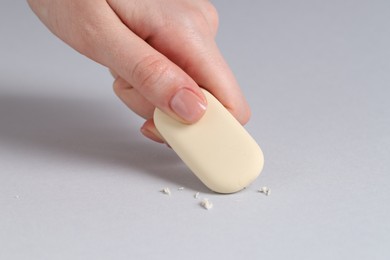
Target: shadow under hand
x,y
91,131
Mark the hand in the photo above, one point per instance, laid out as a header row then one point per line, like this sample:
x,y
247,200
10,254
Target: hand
x,y
159,52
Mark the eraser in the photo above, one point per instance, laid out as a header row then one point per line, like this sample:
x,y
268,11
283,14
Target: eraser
x,y
217,148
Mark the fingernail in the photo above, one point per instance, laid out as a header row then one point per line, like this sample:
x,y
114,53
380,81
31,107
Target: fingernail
x,y
152,135
187,105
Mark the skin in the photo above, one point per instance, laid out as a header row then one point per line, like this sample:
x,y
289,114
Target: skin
x,y
159,52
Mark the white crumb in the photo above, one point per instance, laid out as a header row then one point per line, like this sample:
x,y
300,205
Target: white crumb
x,y
265,190
180,188
205,203
196,195
166,191
17,197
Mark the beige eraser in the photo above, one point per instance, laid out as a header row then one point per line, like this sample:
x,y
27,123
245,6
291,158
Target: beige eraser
x,y
217,148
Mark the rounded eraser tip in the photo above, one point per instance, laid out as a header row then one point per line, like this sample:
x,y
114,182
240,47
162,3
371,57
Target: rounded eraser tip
x,y
217,148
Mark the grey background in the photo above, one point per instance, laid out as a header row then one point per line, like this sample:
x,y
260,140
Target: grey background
x,y
78,181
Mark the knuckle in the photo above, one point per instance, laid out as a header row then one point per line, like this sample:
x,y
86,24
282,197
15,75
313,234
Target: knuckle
x,y
211,14
149,73
115,87
118,86
201,17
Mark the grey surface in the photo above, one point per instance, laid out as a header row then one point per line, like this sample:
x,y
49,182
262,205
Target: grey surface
x,y
77,180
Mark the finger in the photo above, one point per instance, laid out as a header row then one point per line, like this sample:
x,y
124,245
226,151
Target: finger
x,y
223,84
132,98
150,131
210,70
139,105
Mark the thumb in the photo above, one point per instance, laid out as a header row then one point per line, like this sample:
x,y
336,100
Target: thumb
x,y
160,81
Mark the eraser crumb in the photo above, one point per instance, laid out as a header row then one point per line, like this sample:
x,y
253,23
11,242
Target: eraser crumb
x,y
196,195
166,191
265,190
17,197
206,204
180,188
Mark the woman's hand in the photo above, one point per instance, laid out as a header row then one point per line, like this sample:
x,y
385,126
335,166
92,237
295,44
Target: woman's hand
x,y
159,52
